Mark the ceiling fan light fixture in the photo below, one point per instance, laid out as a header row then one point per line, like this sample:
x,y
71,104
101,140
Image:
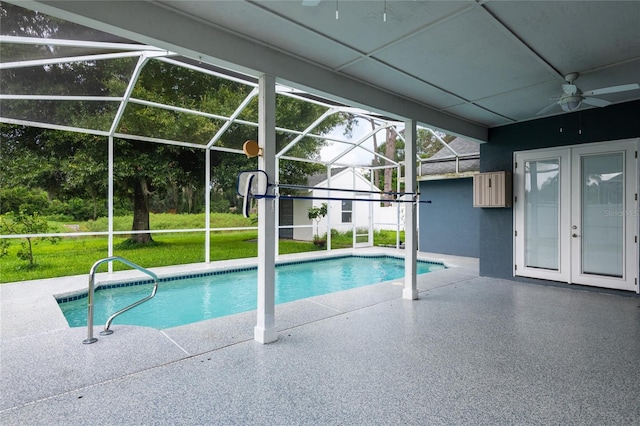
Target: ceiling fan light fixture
x,y
571,103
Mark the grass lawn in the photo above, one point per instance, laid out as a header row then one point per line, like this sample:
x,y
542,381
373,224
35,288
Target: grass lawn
x,y
76,255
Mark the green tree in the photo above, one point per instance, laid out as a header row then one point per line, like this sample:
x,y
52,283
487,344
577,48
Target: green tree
x,y
428,144
72,165
317,213
24,223
394,148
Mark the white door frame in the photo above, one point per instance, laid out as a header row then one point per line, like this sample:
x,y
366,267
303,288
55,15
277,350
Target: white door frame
x,y
569,267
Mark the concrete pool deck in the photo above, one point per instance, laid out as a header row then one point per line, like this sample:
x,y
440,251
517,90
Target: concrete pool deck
x,y
470,350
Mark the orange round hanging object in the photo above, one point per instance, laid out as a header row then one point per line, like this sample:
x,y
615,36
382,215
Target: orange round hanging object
x,y
251,148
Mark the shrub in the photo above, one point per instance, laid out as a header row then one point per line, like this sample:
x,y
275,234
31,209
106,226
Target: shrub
x,y
21,199
77,209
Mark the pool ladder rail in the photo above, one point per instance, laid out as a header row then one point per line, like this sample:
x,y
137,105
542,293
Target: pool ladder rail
x,y
90,296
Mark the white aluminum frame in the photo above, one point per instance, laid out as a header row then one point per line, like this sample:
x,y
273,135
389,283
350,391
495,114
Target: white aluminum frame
x,y
146,53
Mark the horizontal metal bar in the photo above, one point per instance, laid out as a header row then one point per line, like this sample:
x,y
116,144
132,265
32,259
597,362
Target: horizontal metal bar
x,y
302,197
60,98
356,191
77,43
68,59
42,125
100,233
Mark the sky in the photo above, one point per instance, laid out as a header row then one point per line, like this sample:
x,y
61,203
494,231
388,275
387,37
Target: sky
x,y
356,156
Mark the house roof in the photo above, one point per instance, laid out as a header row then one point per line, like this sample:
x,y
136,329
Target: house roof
x,y
463,147
318,178
443,162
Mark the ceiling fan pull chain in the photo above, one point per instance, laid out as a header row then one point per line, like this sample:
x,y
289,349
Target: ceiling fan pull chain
x,y
580,123
561,119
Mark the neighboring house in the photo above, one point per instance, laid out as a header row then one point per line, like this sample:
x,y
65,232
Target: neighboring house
x,y
449,224
344,214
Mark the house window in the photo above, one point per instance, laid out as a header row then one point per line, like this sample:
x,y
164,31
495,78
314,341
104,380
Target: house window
x,y
347,210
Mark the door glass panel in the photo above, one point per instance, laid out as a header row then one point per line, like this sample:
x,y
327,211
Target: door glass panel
x,y
542,209
603,213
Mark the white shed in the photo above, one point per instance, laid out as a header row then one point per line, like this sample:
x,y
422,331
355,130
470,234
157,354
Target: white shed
x,y
353,209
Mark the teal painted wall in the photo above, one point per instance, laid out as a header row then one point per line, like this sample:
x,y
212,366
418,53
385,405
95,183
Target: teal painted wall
x,y
450,224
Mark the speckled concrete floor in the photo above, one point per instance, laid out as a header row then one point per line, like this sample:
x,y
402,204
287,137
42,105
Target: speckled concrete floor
x,y
471,350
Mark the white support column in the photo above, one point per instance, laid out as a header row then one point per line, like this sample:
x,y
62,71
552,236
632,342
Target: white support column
x,y
276,205
207,205
399,224
265,330
410,290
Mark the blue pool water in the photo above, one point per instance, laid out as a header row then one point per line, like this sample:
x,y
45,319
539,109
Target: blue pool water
x,y
187,300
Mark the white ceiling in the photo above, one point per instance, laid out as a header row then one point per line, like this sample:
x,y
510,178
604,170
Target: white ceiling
x,y
461,66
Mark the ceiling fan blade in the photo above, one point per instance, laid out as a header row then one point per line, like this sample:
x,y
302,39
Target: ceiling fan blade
x,y
613,89
547,108
596,102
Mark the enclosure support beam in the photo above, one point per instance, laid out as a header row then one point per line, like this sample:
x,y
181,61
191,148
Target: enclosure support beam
x,y
265,330
354,228
410,290
372,217
207,205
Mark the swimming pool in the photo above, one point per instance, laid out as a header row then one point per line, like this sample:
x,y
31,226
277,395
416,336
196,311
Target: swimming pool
x,y
184,300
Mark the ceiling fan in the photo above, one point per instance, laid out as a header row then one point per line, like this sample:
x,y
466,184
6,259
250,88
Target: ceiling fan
x,y
572,97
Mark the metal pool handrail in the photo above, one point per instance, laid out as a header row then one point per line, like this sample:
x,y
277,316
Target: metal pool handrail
x,y
90,339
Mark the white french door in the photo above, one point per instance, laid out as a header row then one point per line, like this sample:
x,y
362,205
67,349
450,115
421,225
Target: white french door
x,y
541,190
604,215
576,214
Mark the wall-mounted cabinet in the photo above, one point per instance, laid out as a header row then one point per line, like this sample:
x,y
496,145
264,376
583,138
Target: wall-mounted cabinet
x,y
492,189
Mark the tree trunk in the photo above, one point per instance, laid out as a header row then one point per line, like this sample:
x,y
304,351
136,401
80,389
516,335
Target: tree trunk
x,y
188,190
174,192
94,202
30,252
390,152
376,160
141,211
